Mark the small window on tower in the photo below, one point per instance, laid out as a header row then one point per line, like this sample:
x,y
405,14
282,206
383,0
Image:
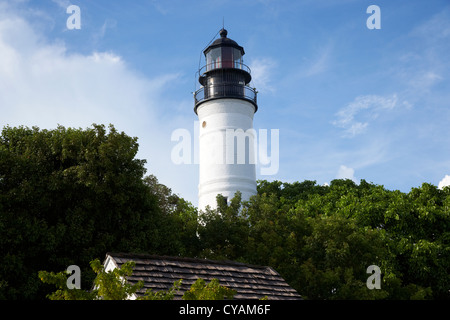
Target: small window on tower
x,y
204,124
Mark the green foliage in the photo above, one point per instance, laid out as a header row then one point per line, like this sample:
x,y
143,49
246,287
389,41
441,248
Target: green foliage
x,y
63,293
211,291
338,254
68,196
222,231
107,285
180,220
162,294
322,238
112,285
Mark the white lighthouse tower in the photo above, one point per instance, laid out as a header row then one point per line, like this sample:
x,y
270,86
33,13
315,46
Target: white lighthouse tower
x,y
225,106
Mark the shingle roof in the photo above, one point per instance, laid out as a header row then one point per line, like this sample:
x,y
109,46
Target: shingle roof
x,y
249,281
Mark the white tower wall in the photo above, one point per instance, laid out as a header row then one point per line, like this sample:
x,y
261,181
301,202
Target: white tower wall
x,y
226,163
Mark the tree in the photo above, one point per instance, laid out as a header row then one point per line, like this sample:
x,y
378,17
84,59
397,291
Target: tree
x,y
112,285
107,285
337,254
180,221
419,228
321,239
162,294
68,196
211,291
223,231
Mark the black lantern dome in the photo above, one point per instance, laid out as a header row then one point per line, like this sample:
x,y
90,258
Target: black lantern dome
x,y
225,42
224,75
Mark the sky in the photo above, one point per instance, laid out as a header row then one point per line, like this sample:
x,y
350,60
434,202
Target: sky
x,y
349,101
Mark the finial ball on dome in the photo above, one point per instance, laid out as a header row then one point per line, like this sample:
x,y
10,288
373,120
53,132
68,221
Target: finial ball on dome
x,y
223,33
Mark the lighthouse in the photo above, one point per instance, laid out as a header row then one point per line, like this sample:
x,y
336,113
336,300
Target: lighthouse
x,y
225,105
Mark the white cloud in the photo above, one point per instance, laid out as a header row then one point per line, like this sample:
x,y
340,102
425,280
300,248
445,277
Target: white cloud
x,y
108,24
346,173
43,84
427,65
62,3
262,69
444,182
437,28
320,64
354,118
424,81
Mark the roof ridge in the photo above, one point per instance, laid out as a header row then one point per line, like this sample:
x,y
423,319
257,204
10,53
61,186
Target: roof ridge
x,y
186,259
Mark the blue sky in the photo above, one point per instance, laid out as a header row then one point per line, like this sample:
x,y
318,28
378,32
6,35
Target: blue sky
x,y
349,102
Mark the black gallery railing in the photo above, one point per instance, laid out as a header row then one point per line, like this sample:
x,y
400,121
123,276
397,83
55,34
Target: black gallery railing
x,y
226,64
225,91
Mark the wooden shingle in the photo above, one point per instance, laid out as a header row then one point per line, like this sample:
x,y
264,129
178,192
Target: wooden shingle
x,y
160,272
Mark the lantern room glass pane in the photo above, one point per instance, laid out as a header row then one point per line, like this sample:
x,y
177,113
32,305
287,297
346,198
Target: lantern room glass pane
x,y
214,59
227,57
237,57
